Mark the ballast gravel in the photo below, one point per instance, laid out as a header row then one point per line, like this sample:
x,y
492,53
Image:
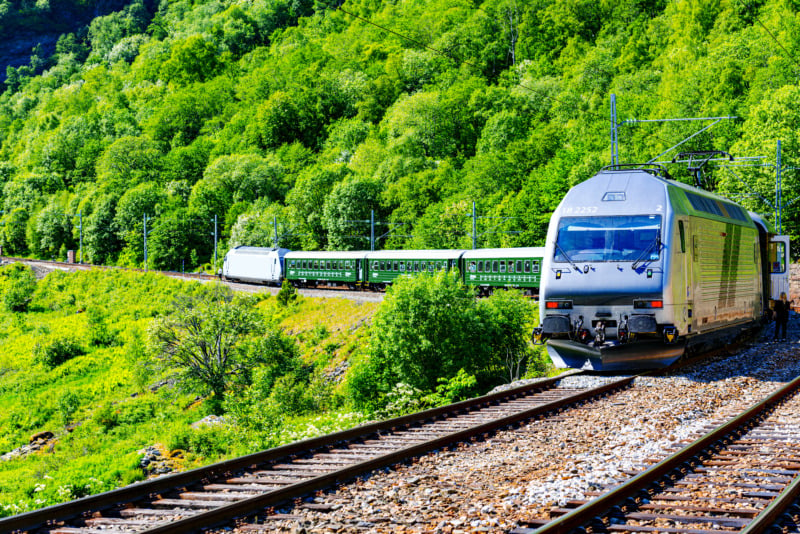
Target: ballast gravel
x,y
521,474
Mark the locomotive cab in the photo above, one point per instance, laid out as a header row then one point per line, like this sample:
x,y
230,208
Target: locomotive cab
x,y
638,267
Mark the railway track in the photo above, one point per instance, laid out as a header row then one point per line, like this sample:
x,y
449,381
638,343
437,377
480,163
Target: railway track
x,y
739,477
221,493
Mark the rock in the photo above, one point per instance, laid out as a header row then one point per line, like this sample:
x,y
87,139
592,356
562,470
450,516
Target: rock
x,y
42,436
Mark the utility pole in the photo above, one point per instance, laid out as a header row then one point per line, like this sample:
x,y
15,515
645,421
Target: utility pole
x,y
145,218
778,187
275,226
372,229
614,126
215,242
474,227
80,228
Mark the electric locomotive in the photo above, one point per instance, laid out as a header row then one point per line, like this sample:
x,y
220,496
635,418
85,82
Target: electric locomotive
x,y
640,269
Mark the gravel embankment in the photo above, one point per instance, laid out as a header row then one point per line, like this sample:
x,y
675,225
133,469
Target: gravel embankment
x,y
520,474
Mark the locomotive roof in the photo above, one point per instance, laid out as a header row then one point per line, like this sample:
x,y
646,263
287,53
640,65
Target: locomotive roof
x,y
645,191
328,254
242,249
518,252
415,254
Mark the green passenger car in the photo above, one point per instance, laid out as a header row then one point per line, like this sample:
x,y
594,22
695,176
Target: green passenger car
x,y
490,268
311,269
386,265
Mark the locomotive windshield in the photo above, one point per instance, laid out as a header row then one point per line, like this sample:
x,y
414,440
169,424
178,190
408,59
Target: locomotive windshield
x,y
615,238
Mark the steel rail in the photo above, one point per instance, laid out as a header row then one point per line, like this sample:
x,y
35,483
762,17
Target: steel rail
x,y
771,515
259,502
598,510
139,491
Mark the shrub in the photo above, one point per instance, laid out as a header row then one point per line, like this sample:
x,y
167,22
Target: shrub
x,y
17,285
287,294
56,351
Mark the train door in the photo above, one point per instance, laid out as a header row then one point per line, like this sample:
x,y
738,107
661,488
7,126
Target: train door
x,y
688,245
779,266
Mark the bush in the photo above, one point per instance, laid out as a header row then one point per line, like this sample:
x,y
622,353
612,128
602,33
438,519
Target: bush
x,y
56,351
17,285
287,294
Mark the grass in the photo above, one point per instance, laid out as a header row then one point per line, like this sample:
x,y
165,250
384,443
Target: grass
x,y
105,406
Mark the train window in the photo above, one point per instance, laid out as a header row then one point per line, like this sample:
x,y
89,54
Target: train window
x,y
777,257
536,266
519,266
395,266
341,265
495,266
402,266
527,266
510,266
480,266
430,267
416,266
502,266
683,236
375,265
327,265
382,265
291,264
422,266
472,266
610,238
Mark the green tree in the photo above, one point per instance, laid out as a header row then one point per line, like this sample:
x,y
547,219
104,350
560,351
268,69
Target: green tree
x,y
177,238
127,162
101,239
203,340
53,231
193,59
428,327
346,208
12,232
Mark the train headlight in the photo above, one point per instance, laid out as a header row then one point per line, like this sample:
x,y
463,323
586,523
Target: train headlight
x,y
558,304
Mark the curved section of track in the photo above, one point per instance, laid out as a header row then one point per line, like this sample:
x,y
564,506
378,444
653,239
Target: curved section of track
x,y
742,476
222,492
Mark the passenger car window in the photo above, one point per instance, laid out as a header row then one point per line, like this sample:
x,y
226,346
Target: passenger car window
x,y
527,266
519,266
402,266
495,265
480,266
502,266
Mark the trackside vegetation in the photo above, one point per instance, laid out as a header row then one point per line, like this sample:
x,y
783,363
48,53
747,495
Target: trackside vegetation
x,y
98,367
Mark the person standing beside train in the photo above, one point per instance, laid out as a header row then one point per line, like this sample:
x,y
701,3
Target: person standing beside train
x,y
781,316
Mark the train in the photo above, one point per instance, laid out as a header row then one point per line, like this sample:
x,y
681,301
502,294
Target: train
x,y
486,270
640,270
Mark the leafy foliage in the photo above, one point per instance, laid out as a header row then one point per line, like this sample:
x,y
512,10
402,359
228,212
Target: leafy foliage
x,y
299,112
17,286
433,337
202,340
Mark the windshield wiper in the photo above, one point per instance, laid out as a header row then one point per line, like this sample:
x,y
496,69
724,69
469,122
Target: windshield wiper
x,y
566,257
656,241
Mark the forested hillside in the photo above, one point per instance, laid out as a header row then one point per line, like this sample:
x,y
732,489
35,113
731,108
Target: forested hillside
x,y
313,113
